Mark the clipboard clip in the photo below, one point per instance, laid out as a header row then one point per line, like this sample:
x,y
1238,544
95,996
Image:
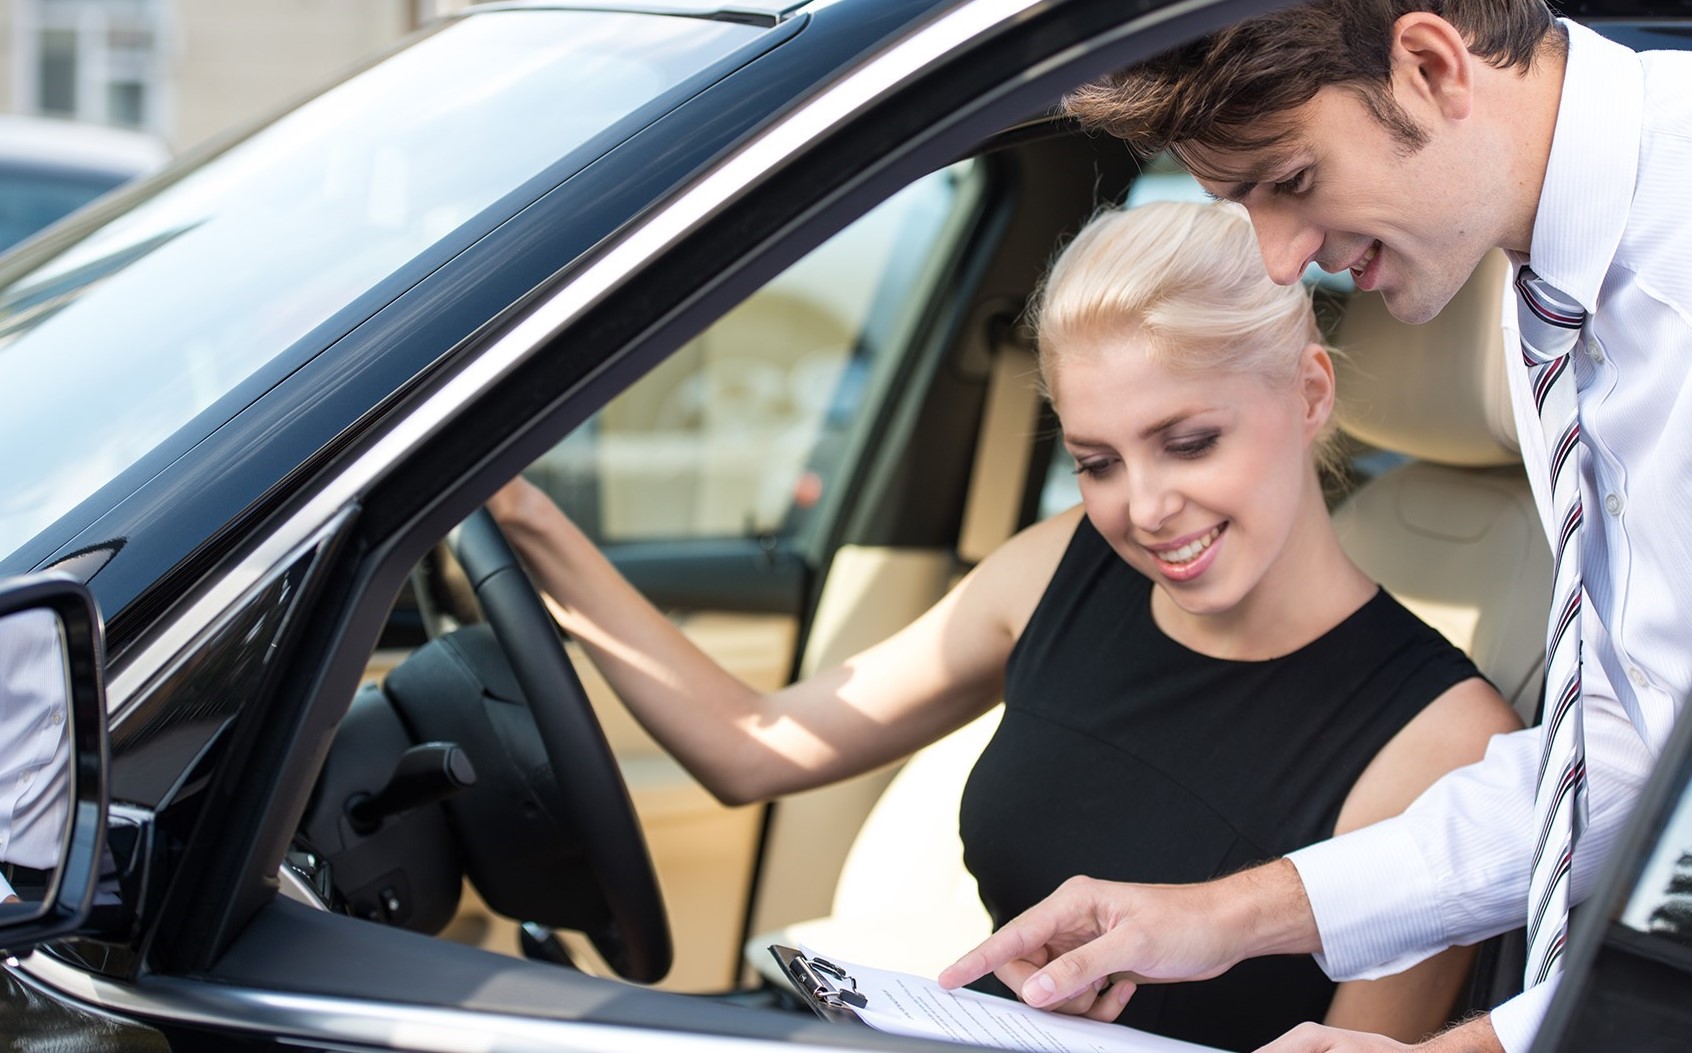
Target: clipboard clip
x,y
826,982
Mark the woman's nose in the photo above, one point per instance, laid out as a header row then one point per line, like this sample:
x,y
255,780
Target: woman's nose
x,y
1151,501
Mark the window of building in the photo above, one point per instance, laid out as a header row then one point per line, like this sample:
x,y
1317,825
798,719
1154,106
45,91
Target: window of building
x,y
92,60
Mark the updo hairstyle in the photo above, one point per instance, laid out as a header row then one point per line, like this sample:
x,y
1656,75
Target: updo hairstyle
x,y
1187,279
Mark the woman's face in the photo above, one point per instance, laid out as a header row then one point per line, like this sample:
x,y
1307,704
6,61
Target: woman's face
x,y
1199,482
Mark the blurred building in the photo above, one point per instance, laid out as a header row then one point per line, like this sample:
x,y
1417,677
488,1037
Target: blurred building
x,y
185,70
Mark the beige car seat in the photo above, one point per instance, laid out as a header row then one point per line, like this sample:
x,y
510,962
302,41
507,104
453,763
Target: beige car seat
x,y
1453,532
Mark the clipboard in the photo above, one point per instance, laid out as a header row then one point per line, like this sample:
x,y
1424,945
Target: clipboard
x,y
824,986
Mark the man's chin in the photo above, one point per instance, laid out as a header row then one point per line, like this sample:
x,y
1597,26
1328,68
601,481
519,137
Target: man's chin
x,y
1412,309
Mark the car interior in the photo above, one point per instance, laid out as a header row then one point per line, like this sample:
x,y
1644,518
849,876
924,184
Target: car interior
x,y
798,481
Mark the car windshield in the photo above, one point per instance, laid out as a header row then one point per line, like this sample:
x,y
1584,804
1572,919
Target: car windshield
x,y
171,315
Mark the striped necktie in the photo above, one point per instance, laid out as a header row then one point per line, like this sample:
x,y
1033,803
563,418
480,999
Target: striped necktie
x,y
1550,324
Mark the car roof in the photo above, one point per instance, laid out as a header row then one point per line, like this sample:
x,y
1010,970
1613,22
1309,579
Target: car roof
x,y
754,11
47,142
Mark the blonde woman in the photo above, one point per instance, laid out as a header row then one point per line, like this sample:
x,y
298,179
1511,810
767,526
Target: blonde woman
x,y
1196,677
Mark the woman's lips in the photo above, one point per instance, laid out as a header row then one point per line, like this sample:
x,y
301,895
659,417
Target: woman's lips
x,y
1191,558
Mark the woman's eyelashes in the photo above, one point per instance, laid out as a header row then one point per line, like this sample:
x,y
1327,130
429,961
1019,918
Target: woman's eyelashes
x,y
1190,447
1093,467
1187,448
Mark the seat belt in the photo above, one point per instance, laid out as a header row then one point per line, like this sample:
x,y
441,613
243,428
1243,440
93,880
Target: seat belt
x,y
999,477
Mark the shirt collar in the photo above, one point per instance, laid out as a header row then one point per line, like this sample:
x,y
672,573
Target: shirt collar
x,y
1589,179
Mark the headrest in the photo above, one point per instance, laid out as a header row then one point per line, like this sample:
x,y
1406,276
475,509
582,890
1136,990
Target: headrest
x,y
1435,391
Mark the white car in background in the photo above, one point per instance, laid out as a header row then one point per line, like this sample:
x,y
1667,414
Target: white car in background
x,y
49,168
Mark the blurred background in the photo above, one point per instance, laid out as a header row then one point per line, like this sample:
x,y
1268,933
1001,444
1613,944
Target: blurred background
x,y
95,92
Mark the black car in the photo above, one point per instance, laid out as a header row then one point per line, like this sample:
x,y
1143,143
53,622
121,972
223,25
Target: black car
x,y
739,284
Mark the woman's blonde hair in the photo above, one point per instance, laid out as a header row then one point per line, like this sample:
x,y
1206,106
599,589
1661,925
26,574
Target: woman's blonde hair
x,y
1188,282
1184,278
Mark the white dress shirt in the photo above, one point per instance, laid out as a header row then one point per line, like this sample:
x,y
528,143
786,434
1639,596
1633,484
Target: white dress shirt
x,y
1613,230
34,742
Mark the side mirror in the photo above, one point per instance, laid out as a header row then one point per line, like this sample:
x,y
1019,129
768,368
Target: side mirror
x,y
52,758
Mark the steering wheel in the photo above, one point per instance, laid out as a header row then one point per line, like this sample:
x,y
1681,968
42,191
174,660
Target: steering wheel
x,y
632,932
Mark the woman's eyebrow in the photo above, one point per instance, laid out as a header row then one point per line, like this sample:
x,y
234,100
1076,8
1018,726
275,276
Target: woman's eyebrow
x,y
1167,423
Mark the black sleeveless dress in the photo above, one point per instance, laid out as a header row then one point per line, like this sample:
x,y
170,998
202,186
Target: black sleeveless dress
x,y
1123,755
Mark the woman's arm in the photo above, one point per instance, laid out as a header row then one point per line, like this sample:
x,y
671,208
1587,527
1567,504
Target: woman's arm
x,y
1451,732
742,745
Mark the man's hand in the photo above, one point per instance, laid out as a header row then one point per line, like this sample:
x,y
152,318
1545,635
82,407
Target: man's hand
x,y
1476,1036
1085,948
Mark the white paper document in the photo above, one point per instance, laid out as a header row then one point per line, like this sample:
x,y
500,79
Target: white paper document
x,y
914,1005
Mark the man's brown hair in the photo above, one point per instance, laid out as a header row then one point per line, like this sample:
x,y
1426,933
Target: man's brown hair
x,y
1233,89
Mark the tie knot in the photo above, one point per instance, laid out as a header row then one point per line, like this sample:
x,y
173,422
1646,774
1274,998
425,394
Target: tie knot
x,y
1547,302
1550,319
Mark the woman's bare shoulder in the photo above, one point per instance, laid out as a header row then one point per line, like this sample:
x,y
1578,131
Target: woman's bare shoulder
x,y
1015,575
1450,732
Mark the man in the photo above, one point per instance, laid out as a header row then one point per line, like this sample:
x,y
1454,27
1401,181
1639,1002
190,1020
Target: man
x,y
1402,144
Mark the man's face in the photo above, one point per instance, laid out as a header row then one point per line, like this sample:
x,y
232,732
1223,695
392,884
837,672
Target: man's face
x,y
1343,192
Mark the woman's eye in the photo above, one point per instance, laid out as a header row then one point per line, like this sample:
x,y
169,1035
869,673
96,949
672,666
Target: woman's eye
x,y
1194,447
1093,469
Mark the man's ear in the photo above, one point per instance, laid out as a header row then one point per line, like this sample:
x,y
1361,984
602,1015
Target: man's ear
x,y
1431,64
1316,388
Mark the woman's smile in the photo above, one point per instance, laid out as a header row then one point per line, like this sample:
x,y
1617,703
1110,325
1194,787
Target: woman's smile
x,y
1187,558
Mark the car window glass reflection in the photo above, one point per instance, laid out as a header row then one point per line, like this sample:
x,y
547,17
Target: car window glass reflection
x,y
743,430
215,276
1661,903
34,753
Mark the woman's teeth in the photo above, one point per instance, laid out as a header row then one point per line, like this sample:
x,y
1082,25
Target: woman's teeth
x,y
1190,551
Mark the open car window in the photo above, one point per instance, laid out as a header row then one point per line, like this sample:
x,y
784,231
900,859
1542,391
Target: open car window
x,y
743,431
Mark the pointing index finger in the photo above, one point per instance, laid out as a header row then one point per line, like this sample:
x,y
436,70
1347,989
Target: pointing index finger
x,y
1012,941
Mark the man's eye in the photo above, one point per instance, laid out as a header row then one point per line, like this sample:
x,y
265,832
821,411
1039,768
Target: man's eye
x,y
1299,183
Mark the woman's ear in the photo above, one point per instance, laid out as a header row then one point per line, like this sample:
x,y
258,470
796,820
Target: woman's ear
x,y
1316,388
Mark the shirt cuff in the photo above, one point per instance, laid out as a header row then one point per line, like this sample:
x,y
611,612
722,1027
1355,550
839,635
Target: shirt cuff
x,y
1374,899
1517,1021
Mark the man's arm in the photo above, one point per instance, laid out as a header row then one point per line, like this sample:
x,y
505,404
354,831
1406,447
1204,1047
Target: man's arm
x,y
1454,867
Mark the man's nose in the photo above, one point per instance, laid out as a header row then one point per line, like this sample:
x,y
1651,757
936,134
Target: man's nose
x,y
1287,242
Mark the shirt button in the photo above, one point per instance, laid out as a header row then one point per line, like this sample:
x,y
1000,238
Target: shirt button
x,y
1637,675
1595,350
58,716
1613,504
28,777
